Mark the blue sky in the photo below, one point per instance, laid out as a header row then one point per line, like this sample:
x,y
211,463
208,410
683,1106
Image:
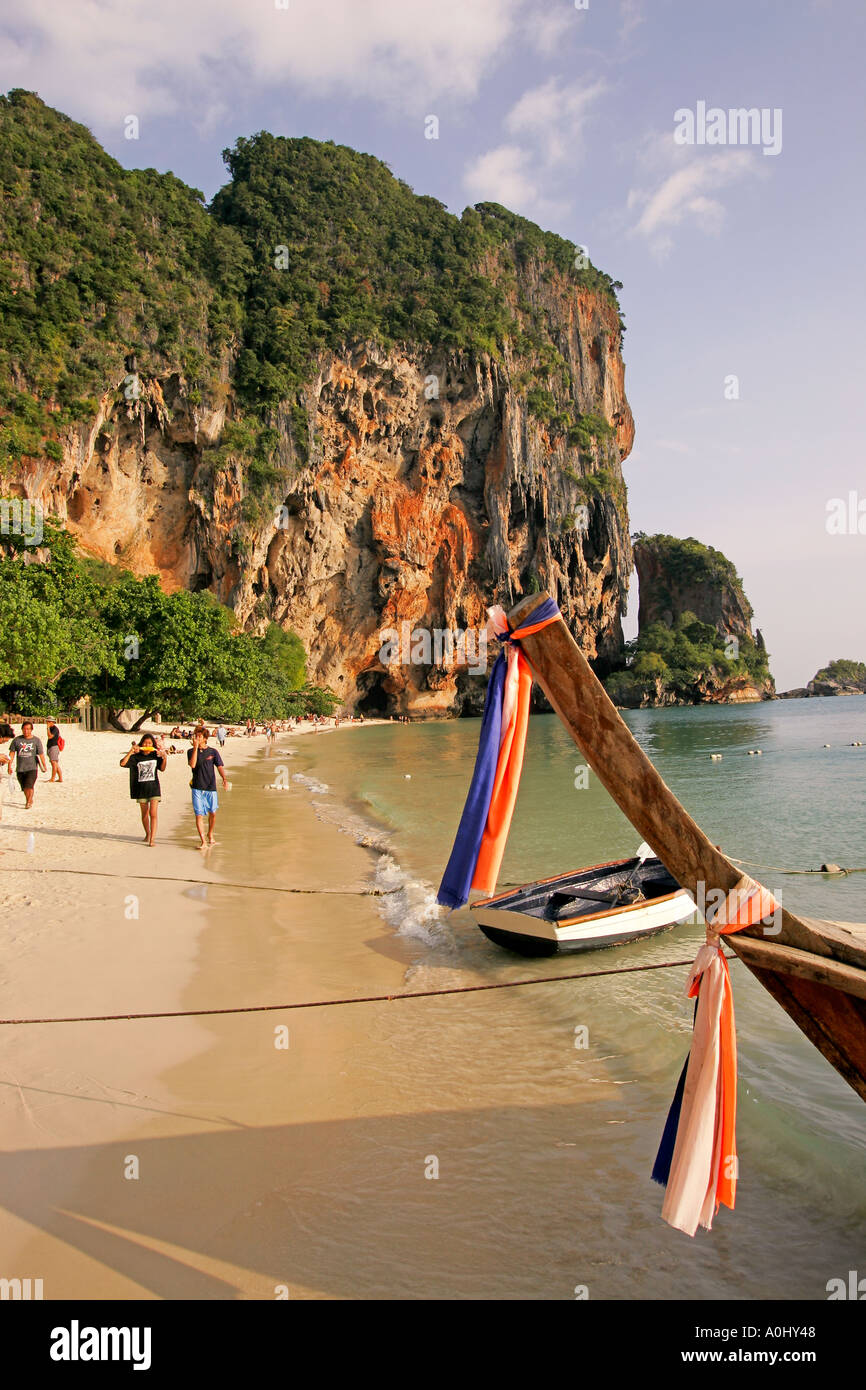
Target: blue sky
x,y
734,263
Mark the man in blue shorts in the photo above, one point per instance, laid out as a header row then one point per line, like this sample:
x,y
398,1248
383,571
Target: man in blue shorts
x,y
204,762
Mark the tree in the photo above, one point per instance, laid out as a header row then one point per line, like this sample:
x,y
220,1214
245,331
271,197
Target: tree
x,y
50,625
71,626
172,650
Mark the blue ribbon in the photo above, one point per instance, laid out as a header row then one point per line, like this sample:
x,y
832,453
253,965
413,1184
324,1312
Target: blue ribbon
x,y
662,1166
457,879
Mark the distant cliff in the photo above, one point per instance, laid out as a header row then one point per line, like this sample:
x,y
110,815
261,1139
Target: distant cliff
x,y
695,643
840,677
325,398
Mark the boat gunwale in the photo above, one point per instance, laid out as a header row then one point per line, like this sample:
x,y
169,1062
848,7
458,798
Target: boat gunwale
x,y
540,882
599,916
631,907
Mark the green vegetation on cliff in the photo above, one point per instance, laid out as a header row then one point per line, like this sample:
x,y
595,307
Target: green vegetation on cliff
x,y
96,262
311,246
681,657
843,672
689,564
71,627
340,251
686,657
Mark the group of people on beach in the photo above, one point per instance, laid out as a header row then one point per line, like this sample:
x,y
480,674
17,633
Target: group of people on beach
x,y
145,760
148,757
26,755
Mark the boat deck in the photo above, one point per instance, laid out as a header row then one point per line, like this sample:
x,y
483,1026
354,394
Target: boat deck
x,y
534,899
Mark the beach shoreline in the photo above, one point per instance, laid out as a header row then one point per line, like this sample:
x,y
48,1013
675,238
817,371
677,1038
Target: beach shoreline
x,y
284,1149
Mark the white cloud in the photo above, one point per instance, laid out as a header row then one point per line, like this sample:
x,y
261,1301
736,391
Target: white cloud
x,y
553,116
680,187
632,15
528,173
547,29
103,59
504,176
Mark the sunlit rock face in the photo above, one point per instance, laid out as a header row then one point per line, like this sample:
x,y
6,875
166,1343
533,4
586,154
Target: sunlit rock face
x,y
247,398
430,491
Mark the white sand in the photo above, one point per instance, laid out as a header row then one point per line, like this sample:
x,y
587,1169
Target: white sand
x,y
92,922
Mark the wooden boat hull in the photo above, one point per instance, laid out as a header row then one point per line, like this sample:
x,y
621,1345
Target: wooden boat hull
x,y
523,921
815,969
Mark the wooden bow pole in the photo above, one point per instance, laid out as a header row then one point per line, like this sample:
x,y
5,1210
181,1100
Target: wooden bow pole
x,y
816,970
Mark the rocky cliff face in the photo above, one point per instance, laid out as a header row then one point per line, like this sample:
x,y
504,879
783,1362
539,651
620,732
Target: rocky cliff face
x,y
349,409
430,492
840,678
671,583
695,643
710,688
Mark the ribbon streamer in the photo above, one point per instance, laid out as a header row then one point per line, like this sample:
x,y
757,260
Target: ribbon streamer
x,y
697,1158
483,830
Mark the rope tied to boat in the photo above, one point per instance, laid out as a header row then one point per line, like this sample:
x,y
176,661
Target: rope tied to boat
x,y
826,868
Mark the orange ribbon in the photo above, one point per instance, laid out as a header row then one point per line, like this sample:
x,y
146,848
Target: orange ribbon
x,y
512,746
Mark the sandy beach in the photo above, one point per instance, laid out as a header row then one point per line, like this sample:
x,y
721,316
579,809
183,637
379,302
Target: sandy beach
x,y
271,1152
94,922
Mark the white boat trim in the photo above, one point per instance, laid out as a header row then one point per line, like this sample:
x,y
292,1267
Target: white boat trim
x,y
636,917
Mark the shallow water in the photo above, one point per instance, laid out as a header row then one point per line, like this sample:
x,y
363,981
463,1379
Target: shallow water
x,y
544,1149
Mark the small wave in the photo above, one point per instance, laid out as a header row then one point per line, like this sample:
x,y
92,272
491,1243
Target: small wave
x,y
410,906
350,823
311,783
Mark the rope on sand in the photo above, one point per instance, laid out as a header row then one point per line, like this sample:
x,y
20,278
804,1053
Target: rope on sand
x,y
356,892
207,882
358,999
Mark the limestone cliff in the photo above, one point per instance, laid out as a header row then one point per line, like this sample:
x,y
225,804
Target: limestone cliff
x,y
695,642
424,415
678,577
409,509
840,677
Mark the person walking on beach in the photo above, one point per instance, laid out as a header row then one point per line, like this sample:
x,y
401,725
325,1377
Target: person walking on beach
x,y
145,762
220,732
54,747
6,732
5,761
29,755
204,762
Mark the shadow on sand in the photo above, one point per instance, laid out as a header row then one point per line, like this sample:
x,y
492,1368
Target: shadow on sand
x,y
528,1203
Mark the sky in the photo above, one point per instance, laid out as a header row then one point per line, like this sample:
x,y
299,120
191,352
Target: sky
x,y
741,253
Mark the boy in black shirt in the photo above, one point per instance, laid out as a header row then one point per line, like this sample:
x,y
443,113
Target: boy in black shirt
x,y
205,763
145,762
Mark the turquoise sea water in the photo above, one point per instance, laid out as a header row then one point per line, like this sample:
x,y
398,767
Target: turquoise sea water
x,y
563,1139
